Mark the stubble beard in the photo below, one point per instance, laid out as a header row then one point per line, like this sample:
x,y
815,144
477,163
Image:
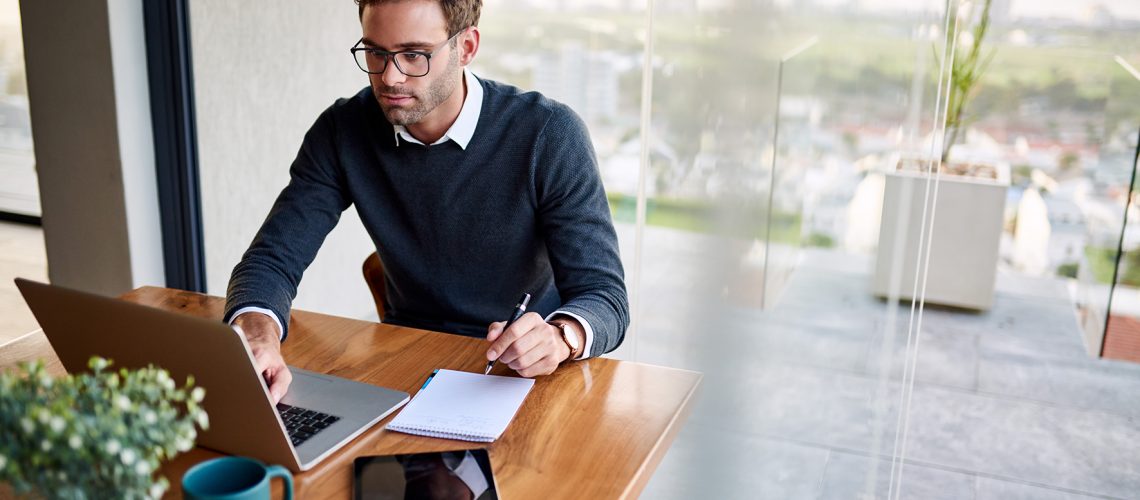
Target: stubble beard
x,y
437,92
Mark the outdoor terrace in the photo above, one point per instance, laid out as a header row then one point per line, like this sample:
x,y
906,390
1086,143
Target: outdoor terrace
x,y
802,400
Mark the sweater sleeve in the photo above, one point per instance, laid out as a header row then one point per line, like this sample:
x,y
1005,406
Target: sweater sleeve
x,y
574,217
304,213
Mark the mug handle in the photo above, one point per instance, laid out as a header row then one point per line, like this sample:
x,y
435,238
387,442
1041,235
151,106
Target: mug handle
x,y
278,471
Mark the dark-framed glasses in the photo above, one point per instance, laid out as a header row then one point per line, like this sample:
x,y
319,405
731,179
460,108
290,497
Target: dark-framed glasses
x,y
412,63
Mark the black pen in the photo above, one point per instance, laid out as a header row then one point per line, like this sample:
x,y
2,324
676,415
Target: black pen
x,y
515,314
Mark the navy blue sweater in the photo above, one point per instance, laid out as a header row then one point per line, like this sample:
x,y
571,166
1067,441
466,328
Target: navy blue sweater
x,y
461,233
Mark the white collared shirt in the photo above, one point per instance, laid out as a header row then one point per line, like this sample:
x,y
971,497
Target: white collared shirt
x,y
461,132
464,126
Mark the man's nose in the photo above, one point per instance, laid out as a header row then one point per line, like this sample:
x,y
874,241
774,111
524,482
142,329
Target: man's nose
x,y
391,75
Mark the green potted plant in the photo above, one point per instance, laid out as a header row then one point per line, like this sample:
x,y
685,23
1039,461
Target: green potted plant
x,y
101,434
967,65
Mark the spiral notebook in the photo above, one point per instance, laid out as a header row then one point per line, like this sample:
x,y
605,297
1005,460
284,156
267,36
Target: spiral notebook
x,y
464,406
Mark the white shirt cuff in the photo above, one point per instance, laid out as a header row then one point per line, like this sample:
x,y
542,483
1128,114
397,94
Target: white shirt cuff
x,y
267,312
585,325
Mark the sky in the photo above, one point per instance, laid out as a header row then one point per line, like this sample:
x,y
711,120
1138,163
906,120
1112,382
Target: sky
x,y
1073,9
1127,9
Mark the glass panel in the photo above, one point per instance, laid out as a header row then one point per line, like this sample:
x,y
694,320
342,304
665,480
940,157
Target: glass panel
x,y
784,119
1006,395
22,252
783,163
589,56
19,191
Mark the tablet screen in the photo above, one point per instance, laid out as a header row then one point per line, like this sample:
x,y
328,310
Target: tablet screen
x,y
462,474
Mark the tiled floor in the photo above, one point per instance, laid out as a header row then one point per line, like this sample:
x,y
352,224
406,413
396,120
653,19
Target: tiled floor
x,y
21,255
802,400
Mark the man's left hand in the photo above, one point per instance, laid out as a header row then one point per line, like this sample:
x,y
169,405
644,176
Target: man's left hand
x,y
531,346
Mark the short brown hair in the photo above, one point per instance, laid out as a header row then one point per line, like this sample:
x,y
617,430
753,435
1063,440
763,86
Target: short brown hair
x,y
460,14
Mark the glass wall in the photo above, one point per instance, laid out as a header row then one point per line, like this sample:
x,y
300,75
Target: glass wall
x,y
19,192
758,167
781,189
589,56
1012,398
22,251
791,113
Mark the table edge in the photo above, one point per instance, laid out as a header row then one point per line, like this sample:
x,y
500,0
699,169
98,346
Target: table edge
x,y
643,474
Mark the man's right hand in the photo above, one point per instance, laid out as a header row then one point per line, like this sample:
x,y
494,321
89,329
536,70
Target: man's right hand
x,y
265,341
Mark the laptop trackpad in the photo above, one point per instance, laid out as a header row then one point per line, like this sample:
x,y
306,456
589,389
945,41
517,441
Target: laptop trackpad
x,y
357,406
336,396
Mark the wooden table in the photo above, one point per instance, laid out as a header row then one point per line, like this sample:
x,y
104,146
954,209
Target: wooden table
x,y
593,429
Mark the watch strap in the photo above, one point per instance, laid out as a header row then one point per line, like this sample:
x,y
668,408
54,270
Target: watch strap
x,y
565,333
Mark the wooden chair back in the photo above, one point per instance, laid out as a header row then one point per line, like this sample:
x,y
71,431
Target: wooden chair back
x,y
374,276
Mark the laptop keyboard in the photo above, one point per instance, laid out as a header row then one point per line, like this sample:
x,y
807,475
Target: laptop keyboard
x,y
303,423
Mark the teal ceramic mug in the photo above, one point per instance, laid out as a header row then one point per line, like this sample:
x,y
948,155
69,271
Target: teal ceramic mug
x,y
233,478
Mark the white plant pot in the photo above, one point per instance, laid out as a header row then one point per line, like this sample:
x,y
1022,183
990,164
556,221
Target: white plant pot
x,y
963,249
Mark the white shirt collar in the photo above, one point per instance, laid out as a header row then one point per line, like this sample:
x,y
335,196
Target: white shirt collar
x,y
464,126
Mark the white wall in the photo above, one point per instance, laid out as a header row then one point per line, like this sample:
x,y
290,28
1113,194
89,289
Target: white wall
x,y
263,71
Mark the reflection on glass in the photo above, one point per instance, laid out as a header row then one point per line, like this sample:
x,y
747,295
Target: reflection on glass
x,y
797,115
444,475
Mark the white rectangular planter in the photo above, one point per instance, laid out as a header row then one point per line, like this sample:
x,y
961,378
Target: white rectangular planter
x,y
963,248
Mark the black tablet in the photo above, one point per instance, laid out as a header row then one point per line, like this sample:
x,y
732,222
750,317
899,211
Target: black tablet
x,y
461,474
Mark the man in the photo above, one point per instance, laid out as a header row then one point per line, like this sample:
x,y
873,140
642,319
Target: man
x,y
473,191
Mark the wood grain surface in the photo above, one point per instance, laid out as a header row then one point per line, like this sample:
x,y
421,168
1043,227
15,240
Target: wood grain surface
x,y
593,429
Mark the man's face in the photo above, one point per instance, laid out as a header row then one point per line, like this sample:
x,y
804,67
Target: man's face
x,y
410,25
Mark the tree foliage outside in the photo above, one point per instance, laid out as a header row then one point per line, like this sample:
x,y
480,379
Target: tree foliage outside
x,y
1068,269
820,240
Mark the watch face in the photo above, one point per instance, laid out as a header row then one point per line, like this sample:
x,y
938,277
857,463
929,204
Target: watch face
x,y
568,336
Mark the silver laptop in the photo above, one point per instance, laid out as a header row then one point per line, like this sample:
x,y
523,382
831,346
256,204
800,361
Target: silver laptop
x,y
318,415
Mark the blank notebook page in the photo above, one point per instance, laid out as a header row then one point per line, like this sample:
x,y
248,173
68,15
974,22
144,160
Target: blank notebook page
x,y
464,406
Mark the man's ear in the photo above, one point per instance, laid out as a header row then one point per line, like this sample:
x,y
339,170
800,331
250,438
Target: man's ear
x,y
468,45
